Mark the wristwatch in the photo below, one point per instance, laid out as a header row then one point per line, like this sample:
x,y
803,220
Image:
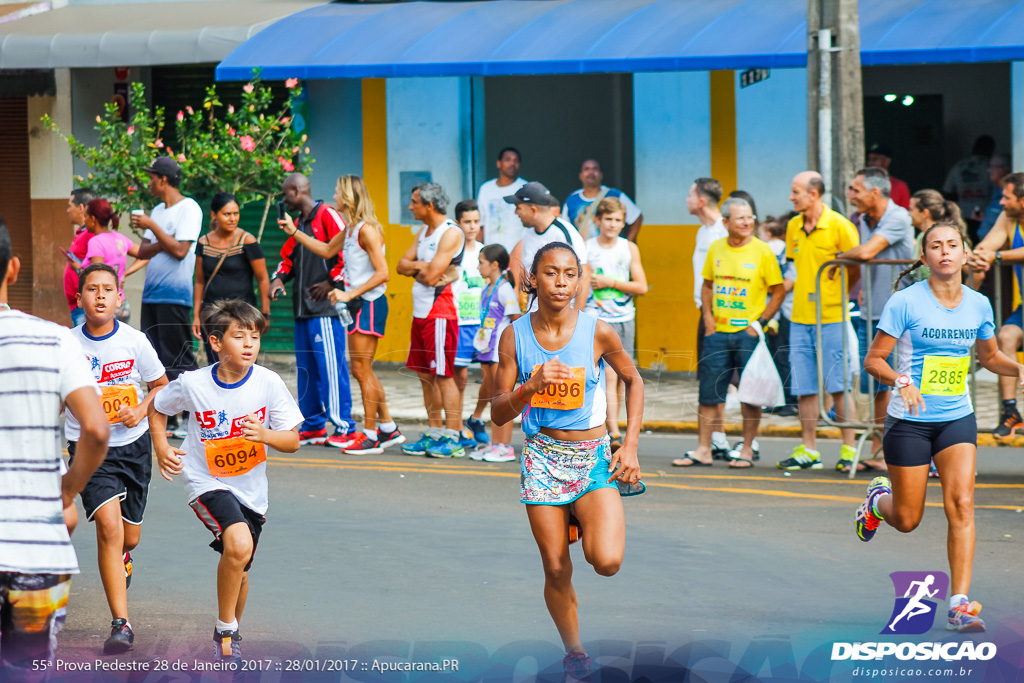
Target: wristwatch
x,y
903,381
999,257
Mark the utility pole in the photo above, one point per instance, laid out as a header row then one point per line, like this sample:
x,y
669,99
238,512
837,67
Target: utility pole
x,y
835,101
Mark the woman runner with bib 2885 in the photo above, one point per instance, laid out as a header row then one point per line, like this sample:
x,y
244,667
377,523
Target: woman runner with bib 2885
x,y
933,324
570,481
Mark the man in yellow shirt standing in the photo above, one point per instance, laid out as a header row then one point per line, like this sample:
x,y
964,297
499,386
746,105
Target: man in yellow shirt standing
x,y
816,235
739,273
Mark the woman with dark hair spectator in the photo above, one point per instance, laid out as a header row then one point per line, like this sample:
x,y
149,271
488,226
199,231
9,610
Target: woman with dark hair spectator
x,y
229,264
107,245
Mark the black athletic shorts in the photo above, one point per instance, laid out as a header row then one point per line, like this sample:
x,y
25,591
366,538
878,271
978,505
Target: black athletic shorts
x,y
910,443
220,509
124,474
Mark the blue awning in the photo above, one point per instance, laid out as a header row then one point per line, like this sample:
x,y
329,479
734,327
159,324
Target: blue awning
x,y
505,37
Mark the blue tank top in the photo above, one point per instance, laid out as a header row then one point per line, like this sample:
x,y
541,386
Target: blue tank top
x,y
576,405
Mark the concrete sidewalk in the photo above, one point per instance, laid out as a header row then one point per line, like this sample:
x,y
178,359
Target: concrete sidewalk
x,y
670,402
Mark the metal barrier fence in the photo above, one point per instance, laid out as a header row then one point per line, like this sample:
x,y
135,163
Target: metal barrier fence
x,y
870,428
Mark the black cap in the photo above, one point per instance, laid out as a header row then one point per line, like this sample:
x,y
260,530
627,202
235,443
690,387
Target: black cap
x,y
880,148
532,193
165,166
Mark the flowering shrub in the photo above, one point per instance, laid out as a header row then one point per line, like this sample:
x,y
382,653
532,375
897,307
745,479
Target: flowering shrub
x,y
246,150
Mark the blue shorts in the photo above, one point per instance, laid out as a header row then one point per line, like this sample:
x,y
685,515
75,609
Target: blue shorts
x,y
554,472
862,339
371,318
722,356
803,362
465,351
1015,318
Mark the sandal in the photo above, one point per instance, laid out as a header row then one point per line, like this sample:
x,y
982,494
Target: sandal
x,y
738,447
694,462
734,466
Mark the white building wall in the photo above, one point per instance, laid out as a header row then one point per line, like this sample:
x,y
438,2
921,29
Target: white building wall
x,y
771,137
335,132
672,124
427,131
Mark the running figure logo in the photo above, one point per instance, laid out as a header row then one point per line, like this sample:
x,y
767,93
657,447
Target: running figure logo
x,y
914,613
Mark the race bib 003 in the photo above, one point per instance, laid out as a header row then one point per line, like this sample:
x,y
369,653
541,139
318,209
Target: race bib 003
x,y
233,456
566,395
944,375
116,397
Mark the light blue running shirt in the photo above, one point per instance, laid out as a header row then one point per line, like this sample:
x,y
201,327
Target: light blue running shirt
x,y
934,348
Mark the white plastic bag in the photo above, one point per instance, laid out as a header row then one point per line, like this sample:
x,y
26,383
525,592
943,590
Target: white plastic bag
x,y
760,384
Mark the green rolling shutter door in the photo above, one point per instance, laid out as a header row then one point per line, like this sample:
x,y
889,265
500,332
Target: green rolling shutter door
x,y
280,339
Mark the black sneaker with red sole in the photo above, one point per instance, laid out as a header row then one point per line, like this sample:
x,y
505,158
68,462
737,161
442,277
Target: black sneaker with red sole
x,y
1008,423
392,438
363,445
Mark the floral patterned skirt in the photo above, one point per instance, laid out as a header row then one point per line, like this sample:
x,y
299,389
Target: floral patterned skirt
x,y
557,472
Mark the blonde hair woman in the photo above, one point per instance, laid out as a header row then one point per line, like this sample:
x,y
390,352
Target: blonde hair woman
x,y
366,276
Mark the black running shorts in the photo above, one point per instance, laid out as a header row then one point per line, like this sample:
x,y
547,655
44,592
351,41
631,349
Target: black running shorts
x,y
220,509
124,474
910,443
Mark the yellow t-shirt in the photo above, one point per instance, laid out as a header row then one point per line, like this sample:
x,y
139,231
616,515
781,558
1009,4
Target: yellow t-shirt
x,y
833,234
740,278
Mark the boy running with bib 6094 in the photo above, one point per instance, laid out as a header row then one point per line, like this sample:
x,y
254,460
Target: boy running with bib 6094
x,y
237,410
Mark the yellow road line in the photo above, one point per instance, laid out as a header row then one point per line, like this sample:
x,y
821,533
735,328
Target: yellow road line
x,y
398,467
856,482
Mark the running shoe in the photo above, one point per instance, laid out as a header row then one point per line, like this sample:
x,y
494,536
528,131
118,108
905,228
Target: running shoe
x,y
754,446
467,441
392,438
846,456
342,441
803,458
226,646
121,637
964,617
1008,423
127,557
575,528
502,452
866,521
427,439
446,447
575,667
481,453
479,429
313,438
363,445
719,449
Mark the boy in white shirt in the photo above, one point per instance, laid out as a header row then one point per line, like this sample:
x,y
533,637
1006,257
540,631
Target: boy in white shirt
x,y
237,409
121,359
468,290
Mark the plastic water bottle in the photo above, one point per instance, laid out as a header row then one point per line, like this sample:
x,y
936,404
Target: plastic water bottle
x,y
343,315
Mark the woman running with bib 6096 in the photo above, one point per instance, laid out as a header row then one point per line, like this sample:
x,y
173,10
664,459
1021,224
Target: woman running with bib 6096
x,y
933,324
570,482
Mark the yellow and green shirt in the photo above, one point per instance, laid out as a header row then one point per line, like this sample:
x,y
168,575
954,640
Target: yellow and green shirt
x,y
740,278
832,235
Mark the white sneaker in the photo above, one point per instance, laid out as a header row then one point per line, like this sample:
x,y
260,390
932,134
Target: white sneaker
x,y
482,452
502,452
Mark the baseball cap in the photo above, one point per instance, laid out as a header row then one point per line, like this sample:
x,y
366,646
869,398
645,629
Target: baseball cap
x,y
880,148
532,193
165,166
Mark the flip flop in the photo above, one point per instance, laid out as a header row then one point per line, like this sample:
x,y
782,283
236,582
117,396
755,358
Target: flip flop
x,y
741,467
693,461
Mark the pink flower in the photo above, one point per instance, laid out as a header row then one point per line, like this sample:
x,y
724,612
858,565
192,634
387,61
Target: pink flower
x,y
248,88
291,83
190,110
231,109
131,129
286,165
158,143
181,157
285,120
231,131
181,116
248,144
259,163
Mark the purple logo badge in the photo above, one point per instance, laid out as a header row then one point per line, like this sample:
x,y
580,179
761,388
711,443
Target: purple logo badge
x,y
917,594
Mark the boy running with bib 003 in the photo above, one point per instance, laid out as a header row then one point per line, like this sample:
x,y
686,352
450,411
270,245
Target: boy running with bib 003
x,y
933,324
237,409
570,482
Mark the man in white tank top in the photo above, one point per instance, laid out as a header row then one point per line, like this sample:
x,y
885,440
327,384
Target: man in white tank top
x,y
433,262
539,211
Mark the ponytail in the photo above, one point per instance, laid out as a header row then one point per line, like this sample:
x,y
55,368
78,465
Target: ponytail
x,y
905,272
101,210
495,253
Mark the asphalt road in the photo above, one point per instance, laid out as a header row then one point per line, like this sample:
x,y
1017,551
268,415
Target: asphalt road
x,y
422,559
